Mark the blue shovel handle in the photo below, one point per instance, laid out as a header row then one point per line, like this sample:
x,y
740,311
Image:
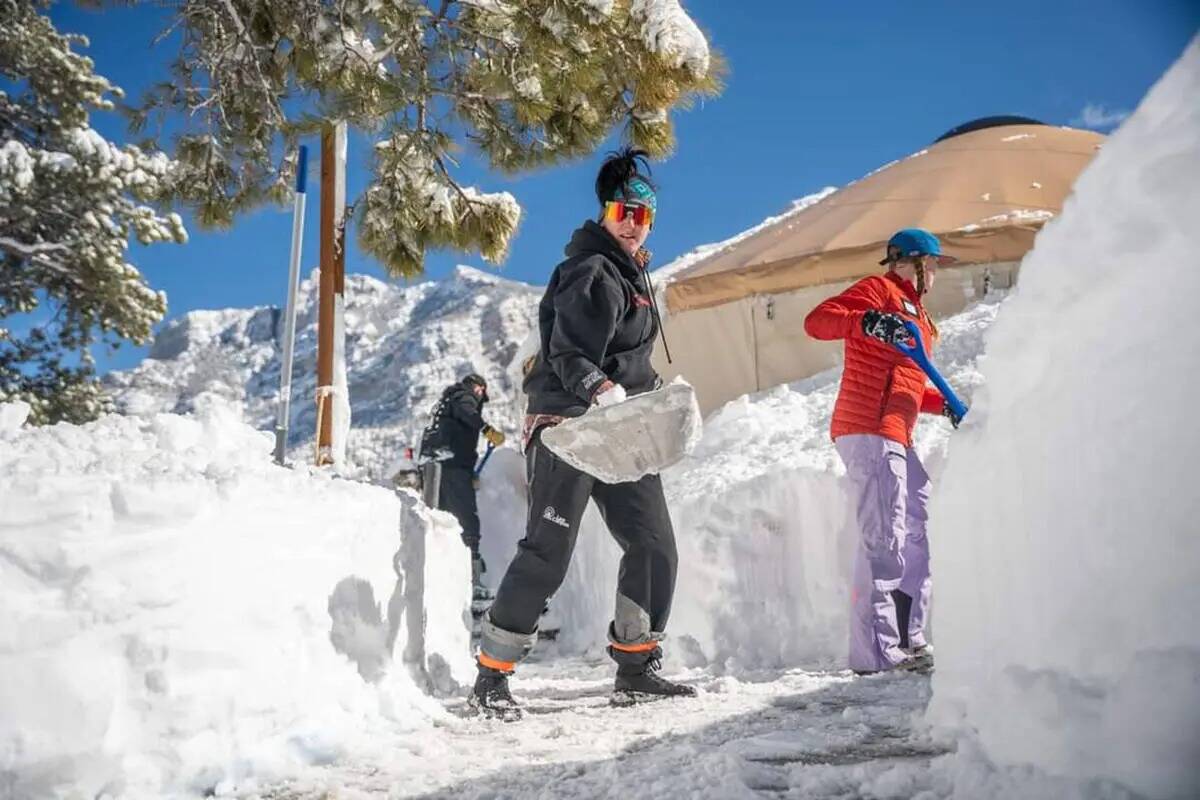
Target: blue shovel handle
x,y
916,351
483,461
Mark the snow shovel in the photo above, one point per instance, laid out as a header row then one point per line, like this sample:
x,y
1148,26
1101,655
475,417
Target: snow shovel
x,y
483,461
628,440
916,351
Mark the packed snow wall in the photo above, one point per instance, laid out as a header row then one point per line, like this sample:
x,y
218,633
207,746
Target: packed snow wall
x,y
179,615
1066,532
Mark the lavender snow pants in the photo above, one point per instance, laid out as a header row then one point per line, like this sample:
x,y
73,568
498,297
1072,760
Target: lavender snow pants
x,y
890,489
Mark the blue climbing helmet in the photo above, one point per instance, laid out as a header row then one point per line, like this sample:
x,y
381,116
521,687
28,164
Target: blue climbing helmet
x,y
911,242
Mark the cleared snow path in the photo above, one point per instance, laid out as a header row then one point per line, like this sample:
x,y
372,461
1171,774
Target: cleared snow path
x,y
825,734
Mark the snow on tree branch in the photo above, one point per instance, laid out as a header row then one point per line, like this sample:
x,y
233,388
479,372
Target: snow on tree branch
x,y
671,33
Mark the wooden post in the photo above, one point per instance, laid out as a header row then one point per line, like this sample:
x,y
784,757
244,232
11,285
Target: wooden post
x,y
333,278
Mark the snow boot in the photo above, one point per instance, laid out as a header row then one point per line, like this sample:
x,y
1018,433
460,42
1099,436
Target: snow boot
x,y
491,698
638,679
920,660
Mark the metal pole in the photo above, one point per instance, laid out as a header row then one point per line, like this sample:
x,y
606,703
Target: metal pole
x,y
289,325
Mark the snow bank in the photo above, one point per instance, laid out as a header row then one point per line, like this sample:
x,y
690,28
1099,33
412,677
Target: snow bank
x,y
13,416
762,523
1065,535
180,616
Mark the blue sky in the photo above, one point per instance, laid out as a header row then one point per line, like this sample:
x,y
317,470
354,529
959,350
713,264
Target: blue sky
x,y
817,94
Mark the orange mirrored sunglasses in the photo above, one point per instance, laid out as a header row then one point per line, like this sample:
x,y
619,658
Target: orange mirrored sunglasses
x,y
618,211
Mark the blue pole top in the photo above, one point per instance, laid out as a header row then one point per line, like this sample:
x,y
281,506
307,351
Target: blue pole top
x,y
302,169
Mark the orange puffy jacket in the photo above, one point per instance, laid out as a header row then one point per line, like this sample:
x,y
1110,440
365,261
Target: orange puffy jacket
x,y
882,389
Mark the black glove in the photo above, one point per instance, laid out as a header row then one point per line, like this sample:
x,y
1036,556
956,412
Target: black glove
x,y
886,327
949,414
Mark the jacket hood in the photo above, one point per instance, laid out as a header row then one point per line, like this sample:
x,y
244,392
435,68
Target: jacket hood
x,y
591,237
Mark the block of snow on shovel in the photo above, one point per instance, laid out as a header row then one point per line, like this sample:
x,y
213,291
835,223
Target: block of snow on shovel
x,y
628,440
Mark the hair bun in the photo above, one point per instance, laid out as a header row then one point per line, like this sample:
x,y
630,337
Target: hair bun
x,y
618,169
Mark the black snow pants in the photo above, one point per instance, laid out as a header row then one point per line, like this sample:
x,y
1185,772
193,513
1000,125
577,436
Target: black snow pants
x,y
636,516
456,494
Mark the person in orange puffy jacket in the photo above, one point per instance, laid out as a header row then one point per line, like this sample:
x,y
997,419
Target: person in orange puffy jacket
x,y
882,392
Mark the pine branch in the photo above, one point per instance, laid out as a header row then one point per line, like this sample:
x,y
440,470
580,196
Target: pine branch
x,y
277,112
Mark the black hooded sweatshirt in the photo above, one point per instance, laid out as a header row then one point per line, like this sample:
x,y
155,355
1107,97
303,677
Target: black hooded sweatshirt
x,y
595,323
457,421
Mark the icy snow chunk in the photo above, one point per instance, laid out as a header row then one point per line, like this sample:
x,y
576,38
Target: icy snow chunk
x,y
436,597
13,415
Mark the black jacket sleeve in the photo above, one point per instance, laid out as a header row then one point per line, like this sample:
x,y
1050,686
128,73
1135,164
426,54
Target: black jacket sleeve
x,y
467,409
587,305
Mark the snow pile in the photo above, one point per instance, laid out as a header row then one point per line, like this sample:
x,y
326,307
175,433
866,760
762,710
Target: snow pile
x,y
1065,535
180,615
404,345
763,527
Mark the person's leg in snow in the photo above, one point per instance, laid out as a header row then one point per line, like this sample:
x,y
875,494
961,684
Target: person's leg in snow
x,y
917,582
456,494
877,471
636,515
558,495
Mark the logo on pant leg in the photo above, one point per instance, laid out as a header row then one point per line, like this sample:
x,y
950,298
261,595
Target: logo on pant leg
x,y
553,516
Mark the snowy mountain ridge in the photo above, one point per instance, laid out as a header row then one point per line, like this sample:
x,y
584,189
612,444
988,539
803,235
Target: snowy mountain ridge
x,y
404,344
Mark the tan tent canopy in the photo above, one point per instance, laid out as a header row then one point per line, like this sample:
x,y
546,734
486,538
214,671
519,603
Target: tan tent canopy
x,y
985,194
736,321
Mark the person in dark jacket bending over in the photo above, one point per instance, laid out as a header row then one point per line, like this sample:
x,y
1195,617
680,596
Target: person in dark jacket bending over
x,y
448,451
597,332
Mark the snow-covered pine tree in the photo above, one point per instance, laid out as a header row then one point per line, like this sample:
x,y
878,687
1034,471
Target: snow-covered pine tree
x,y
527,82
69,200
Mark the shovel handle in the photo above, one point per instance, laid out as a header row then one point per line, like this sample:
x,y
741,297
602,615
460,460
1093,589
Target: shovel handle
x,y
483,461
916,351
